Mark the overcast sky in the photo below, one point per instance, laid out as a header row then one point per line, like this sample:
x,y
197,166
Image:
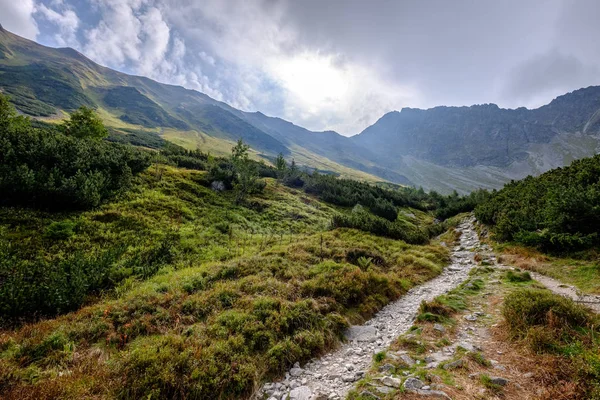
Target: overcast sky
x,y
333,64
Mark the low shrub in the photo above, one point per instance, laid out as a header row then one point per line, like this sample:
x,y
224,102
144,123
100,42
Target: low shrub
x,y
367,222
530,308
518,276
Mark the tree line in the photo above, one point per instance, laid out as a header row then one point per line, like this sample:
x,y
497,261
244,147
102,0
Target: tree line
x,y
557,211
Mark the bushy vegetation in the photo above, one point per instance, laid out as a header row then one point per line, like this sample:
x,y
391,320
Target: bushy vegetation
x,y
214,330
361,219
137,138
375,209
556,211
551,324
449,206
72,169
198,280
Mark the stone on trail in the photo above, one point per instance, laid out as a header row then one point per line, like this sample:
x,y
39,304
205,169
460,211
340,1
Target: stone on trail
x,y
413,384
439,328
453,365
296,371
301,393
391,381
383,389
361,333
386,368
406,359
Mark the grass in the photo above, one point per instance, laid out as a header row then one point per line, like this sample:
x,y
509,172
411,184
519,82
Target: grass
x,y
518,276
486,381
247,291
550,324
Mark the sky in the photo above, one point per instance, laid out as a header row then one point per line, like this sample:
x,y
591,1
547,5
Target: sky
x,y
333,64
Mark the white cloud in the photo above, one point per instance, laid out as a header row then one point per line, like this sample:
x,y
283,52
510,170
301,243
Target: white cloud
x,y
17,17
67,22
267,67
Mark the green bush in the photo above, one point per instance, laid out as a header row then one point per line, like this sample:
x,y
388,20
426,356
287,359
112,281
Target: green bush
x,y
379,226
46,169
60,230
518,276
556,211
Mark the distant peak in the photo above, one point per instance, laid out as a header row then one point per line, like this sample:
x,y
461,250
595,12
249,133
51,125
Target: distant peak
x,y
1,27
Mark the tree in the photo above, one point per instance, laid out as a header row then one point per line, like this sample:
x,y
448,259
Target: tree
x,y
245,171
85,123
280,166
9,119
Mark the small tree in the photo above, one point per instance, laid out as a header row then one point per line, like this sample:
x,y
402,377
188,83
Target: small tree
x,y
245,171
85,123
280,166
9,119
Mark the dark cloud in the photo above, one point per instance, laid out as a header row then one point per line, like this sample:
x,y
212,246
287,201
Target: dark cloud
x,y
548,75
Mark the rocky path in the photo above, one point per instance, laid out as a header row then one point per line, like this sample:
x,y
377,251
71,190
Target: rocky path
x,y
333,375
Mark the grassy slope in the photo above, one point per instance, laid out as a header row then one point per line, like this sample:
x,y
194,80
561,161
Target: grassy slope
x,y
249,291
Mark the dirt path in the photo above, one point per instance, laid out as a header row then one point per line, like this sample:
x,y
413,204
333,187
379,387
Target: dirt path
x,y
333,375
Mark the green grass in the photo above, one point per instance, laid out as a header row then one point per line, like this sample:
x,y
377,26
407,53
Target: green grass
x,y
247,291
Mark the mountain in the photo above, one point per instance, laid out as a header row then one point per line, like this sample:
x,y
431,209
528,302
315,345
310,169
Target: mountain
x,y
43,82
443,148
484,145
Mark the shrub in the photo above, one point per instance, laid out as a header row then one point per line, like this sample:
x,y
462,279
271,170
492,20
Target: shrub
x,y
529,308
518,276
379,226
60,230
556,211
49,170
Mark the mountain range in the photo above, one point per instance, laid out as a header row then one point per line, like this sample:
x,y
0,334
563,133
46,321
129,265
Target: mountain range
x,y
443,148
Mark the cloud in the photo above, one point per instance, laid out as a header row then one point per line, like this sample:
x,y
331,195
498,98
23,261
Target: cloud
x,y
267,66
67,22
17,17
546,76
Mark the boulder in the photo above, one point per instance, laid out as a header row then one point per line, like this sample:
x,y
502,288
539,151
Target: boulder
x,y
391,381
413,384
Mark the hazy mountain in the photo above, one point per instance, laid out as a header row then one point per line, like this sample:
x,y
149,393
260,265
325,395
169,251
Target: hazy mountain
x,y
484,145
443,148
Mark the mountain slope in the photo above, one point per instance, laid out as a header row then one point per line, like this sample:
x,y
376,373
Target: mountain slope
x,y
42,81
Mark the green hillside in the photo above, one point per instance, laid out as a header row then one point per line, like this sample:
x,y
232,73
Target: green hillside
x,y
43,82
169,273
